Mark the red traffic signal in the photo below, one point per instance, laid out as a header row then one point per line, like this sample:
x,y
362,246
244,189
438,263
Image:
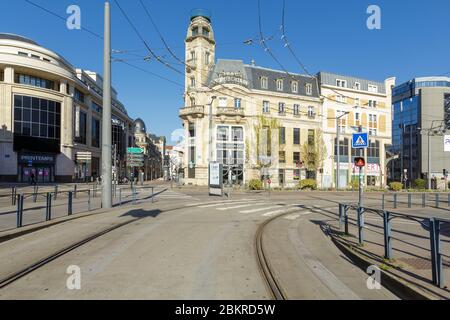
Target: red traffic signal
x,y
360,162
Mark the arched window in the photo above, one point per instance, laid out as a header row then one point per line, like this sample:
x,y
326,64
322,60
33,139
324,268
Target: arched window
x,y
205,32
195,31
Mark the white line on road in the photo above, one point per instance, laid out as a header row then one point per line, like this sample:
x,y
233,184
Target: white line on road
x,y
260,209
241,206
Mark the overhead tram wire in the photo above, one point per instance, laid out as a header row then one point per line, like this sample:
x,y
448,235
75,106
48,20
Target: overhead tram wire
x,y
299,61
62,18
143,40
171,52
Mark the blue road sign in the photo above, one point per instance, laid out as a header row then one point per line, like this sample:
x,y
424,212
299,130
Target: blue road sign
x,y
360,140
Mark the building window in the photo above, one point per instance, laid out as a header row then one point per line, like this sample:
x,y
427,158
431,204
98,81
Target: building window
x,y
222,102
294,86
205,32
373,88
311,113
296,136
341,83
222,133
311,136
195,31
192,82
282,135
372,104
357,86
282,157
343,149
280,84
308,89
34,81
237,134
95,133
266,107
296,174
192,102
341,99
296,158
264,83
78,95
37,117
2,75
373,151
237,103
207,57
296,110
281,108
357,102
80,126
96,107
23,54
342,120
373,124
193,57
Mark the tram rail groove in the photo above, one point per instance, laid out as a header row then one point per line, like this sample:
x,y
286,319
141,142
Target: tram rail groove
x,y
267,273
27,270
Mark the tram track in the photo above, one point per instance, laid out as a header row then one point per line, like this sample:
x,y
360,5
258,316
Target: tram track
x,y
267,273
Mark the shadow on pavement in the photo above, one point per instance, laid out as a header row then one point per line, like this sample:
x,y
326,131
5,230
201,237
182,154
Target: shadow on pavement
x,y
141,214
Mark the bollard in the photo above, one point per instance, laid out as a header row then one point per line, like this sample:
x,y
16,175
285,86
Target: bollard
x,y
120,196
436,256
346,220
13,196
387,235
423,200
75,191
341,216
19,210
360,213
56,192
436,200
409,200
448,200
89,200
382,201
133,195
395,200
69,204
48,208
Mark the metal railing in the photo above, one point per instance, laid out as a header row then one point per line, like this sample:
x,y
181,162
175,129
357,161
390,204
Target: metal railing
x,y
432,223
67,199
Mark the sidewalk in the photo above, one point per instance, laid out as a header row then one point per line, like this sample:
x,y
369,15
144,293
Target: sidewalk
x,y
411,255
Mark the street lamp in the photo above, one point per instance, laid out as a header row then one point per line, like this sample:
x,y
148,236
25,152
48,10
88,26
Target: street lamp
x,y
210,130
338,146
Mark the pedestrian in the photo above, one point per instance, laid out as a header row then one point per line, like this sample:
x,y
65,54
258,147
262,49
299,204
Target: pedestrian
x,y
33,179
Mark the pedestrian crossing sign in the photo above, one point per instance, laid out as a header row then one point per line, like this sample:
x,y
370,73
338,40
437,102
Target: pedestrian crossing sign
x,y
360,140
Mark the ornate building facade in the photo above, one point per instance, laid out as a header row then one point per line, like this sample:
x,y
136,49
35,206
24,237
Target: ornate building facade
x,y
231,108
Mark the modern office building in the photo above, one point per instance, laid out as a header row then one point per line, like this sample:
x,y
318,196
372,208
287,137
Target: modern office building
x,y
421,116
361,105
50,116
253,120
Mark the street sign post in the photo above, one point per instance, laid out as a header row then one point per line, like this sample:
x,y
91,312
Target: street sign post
x,y
360,140
135,151
360,163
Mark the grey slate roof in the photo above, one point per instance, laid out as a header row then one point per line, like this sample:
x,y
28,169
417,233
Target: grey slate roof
x,y
253,75
327,78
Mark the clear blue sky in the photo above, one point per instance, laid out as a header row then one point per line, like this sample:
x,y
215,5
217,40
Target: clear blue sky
x,y
328,35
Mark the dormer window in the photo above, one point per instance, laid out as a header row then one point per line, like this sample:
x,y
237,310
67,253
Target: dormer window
x,y
308,89
280,84
195,31
294,86
341,83
205,32
357,86
264,82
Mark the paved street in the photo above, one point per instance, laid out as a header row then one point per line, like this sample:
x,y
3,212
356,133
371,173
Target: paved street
x,y
187,245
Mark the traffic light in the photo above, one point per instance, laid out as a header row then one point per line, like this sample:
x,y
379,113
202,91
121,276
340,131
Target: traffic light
x,y
360,162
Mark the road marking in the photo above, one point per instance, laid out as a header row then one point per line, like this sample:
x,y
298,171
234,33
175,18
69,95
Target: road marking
x,y
268,214
241,206
260,209
221,203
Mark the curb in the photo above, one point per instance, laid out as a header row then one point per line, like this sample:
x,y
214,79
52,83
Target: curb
x,y
399,287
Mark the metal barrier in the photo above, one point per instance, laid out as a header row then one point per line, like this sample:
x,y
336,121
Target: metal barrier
x,y
19,210
387,216
48,207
